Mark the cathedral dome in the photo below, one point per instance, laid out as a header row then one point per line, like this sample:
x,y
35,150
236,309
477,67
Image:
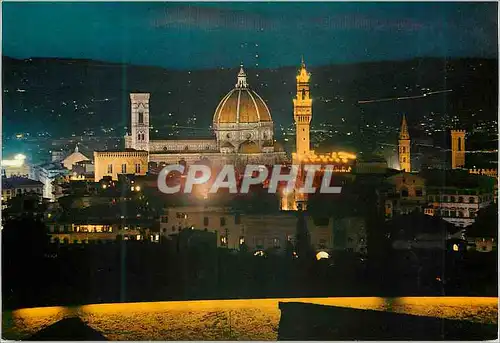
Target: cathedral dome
x,y
242,105
249,147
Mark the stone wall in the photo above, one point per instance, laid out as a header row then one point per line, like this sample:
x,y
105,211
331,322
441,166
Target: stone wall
x,y
188,145
110,163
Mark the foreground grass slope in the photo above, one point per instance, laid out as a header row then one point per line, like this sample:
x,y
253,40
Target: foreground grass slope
x,y
250,319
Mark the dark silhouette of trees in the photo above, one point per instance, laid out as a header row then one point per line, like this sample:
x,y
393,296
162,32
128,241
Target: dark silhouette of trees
x,y
25,244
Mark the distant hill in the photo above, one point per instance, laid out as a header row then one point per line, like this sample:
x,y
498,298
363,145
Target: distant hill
x,y
65,96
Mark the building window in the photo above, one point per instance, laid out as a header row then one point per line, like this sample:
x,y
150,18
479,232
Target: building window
x,y
137,168
223,240
460,199
276,242
205,221
471,200
181,215
124,168
452,198
404,192
222,221
110,169
141,117
242,240
418,192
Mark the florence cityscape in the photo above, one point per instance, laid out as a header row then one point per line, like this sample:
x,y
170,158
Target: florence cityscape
x,y
249,171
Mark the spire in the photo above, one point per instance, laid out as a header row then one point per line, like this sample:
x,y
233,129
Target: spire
x,y
76,147
242,78
403,133
303,76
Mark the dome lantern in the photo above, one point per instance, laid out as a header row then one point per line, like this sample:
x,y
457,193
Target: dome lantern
x,y
242,78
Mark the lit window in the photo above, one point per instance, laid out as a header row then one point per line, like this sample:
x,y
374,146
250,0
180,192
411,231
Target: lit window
x,y
223,240
137,168
242,240
110,169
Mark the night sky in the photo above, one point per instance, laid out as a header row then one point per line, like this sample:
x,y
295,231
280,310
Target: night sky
x,y
203,35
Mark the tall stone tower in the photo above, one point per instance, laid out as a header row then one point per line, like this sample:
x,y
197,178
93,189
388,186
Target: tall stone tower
x,y
139,107
457,149
302,111
404,147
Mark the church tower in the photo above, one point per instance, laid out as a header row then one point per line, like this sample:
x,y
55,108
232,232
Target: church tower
x,y
139,107
457,149
404,147
302,111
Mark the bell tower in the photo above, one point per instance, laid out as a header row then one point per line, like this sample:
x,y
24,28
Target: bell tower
x,y
404,147
139,115
457,149
302,111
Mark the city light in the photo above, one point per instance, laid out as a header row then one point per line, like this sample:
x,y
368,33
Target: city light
x,y
17,161
321,255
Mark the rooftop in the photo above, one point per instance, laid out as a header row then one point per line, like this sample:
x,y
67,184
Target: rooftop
x,y
16,182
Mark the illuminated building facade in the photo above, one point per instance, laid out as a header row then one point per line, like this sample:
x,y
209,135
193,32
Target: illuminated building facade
x,y
16,167
114,163
404,147
406,193
242,123
457,149
74,158
47,173
458,206
256,232
97,231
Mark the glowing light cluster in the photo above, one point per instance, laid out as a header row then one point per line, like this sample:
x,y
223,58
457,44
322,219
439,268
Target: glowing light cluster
x,y
337,157
18,161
